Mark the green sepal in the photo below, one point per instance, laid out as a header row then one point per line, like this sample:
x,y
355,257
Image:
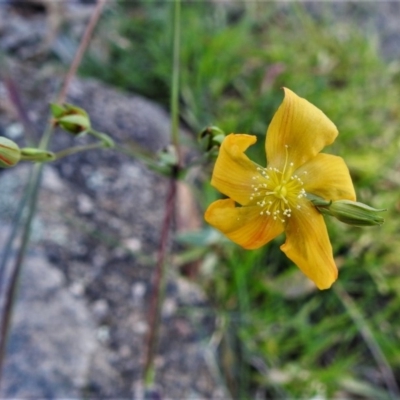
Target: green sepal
x,y
356,213
57,110
76,120
37,155
349,212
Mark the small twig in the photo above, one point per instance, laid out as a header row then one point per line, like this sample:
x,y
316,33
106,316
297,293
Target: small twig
x,y
81,50
368,336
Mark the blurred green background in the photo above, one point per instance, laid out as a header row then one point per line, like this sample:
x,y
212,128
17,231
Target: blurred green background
x,y
276,335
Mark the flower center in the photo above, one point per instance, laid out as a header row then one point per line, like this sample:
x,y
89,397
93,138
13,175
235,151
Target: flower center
x,y
277,192
280,191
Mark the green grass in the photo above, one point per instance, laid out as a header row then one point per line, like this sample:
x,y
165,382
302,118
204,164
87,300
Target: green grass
x,y
282,338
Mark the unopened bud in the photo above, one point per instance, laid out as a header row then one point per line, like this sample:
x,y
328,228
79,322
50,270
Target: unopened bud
x,y
349,212
211,138
37,155
10,153
71,118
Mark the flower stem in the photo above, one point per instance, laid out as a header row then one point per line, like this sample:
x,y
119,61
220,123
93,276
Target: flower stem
x,y
77,149
175,79
157,294
11,288
81,49
158,279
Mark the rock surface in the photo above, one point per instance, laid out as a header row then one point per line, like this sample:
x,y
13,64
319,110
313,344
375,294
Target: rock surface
x,y
53,337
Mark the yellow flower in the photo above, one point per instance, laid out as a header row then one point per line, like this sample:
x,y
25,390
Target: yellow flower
x,y
264,202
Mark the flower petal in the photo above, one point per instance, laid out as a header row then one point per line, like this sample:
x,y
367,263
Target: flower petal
x,y
327,176
233,171
308,246
301,128
243,225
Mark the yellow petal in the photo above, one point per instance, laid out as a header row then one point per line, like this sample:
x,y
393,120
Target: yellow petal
x,y
243,225
300,127
308,246
327,176
233,171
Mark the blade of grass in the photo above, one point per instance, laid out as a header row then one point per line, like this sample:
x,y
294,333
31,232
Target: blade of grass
x,y
243,305
368,336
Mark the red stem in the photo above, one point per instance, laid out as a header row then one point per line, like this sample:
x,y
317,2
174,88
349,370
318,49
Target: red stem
x,y
154,312
81,49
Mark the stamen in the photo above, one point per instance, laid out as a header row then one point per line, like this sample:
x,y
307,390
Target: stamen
x,y
286,159
277,192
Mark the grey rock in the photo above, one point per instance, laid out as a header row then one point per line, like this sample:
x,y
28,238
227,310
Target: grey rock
x,y
52,338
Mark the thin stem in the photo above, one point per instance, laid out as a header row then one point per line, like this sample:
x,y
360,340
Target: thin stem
x,y
78,149
106,140
81,49
368,336
32,192
156,298
175,80
18,217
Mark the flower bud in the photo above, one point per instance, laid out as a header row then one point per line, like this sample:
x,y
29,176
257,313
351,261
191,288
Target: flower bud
x,y
211,137
71,118
10,153
36,155
355,213
349,212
